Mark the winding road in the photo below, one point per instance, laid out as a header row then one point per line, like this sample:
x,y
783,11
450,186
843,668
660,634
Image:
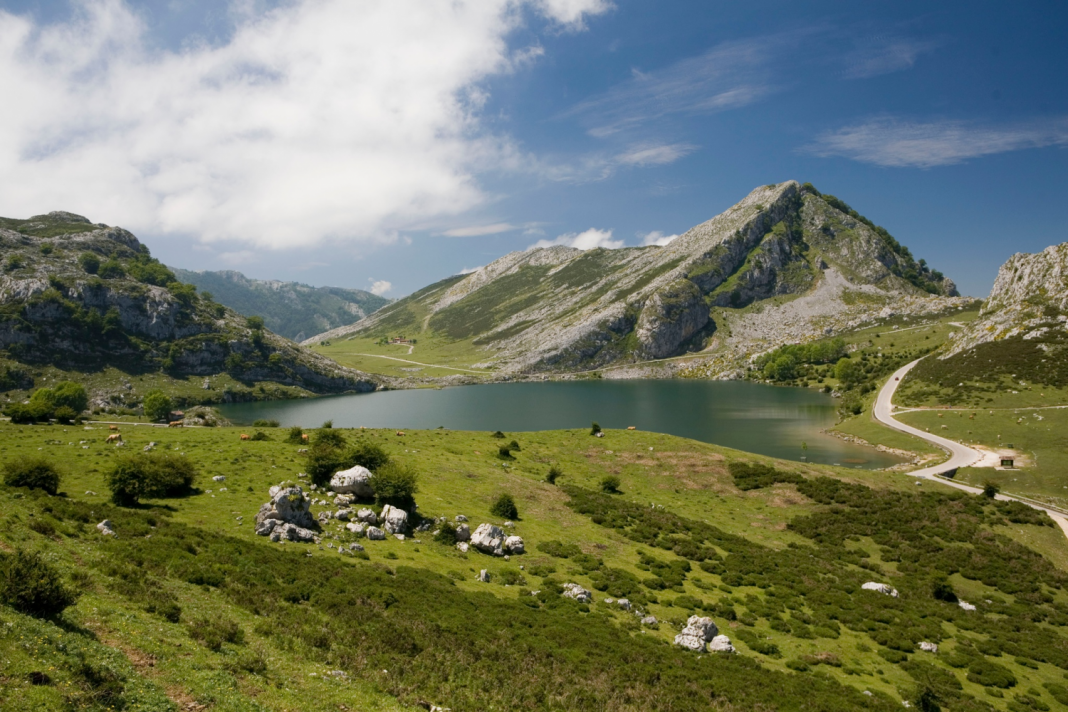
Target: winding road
x,y
959,455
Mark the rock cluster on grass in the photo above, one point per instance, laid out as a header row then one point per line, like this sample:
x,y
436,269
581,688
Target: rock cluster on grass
x,y
883,588
573,590
965,605
356,481
367,516
490,539
287,516
104,528
375,534
463,533
697,633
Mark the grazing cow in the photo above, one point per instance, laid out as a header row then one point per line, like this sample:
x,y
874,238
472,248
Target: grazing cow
x,y
244,436
400,432
113,427
304,437
176,424
115,438
631,427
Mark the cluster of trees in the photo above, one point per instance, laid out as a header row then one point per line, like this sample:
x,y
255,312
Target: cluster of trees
x,y
782,363
393,482
65,402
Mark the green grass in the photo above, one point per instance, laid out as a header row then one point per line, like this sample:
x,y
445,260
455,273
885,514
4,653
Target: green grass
x,y
443,356
460,474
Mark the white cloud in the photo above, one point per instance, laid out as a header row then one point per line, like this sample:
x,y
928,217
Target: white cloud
x,y
319,119
379,286
883,55
587,240
479,230
469,270
657,238
889,142
654,155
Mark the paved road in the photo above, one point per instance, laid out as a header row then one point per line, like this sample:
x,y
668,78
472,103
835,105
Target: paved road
x,y
959,455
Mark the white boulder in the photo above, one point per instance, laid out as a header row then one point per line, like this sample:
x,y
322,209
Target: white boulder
x,y
965,605
649,620
624,604
343,515
514,545
219,478
573,590
883,588
288,504
489,539
461,518
284,531
928,647
697,633
356,528
463,533
462,546
367,515
394,520
483,576
104,528
356,480
375,534
720,644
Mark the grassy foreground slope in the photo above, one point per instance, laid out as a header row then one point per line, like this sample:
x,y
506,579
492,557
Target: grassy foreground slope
x,y
187,607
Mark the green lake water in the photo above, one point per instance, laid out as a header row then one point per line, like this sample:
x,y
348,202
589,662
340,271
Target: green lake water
x,y
756,418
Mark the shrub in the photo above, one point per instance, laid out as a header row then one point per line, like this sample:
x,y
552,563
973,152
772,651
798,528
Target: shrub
x,y
259,435
21,414
149,475
990,489
296,435
70,395
499,435
610,484
990,674
213,632
111,269
261,423
256,324
156,405
323,461
64,415
595,428
395,484
942,590
505,452
32,472
89,262
511,577
505,507
446,534
329,437
514,446
554,473
43,403
366,454
558,549
29,584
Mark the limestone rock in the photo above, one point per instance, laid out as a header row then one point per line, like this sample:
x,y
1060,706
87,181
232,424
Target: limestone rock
x,y
288,504
514,545
343,515
573,590
462,546
489,539
343,500
104,528
624,604
463,533
697,633
284,531
649,620
483,576
375,534
883,588
461,518
367,516
394,520
671,316
928,647
356,480
357,528
965,605
720,644
219,478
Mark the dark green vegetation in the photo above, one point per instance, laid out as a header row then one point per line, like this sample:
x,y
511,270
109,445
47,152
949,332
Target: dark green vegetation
x,y
31,586
109,306
65,402
775,553
150,475
32,472
505,507
293,310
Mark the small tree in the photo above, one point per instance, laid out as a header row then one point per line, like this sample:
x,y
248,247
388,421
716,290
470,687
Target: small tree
x,y
157,405
29,584
64,415
366,454
395,484
554,472
296,435
505,452
89,262
32,472
499,435
324,460
43,403
328,436
990,489
595,428
149,475
446,534
610,484
514,446
254,322
505,507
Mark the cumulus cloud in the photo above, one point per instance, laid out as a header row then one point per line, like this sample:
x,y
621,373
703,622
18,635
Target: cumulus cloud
x,y
479,230
379,286
587,240
657,238
890,142
318,119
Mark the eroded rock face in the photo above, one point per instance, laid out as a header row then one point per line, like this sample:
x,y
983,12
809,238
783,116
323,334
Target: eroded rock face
x,y
883,588
288,504
697,633
463,533
489,539
670,317
278,530
394,520
356,481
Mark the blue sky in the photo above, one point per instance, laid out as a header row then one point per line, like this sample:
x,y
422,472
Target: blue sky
x,y
391,144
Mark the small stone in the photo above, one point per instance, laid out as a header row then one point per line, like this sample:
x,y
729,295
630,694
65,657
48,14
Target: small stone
x,y
461,518
462,546
649,620
965,605
720,644
483,576
219,478
928,647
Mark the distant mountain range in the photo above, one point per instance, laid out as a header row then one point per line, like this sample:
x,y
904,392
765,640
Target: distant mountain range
x,y
290,309
786,264
85,296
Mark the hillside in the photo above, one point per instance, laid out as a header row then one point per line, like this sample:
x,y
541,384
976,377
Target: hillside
x,y
290,309
786,264
185,607
87,297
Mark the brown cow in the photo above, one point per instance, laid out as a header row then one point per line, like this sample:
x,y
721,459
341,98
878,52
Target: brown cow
x,y
116,438
113,427
304,437
400,432
244,436
631,427
176,424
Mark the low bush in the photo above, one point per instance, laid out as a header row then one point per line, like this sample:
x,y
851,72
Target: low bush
x,y
554,473
514,446
990,489
262,423
89,262
30,585
366,454
149,475
505,507
504,452
329,437
499,435
751,476
446,534
990,674
259,436
558,549
595,428
610,484
32,472
64,415
395,484
296,435
213,632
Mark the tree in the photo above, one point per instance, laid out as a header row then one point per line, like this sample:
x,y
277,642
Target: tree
x,y
990,489
32,472
89,262
72,395
595,428
847,371
149,475
65,415
29,584
43,403
157,405
367,454
395,484
254,322
505,507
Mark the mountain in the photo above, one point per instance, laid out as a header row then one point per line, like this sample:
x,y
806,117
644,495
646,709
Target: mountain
x,y
86,296
1021,334
785,264
291,309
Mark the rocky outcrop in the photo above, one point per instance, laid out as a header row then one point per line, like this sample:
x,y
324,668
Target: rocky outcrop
x,y
491,539
356,481
697,633
720,644
883,588
670,317
578,593
287,516
394,520
105,528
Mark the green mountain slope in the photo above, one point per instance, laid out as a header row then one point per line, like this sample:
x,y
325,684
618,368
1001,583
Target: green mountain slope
x,y
786,264
291,309
87,297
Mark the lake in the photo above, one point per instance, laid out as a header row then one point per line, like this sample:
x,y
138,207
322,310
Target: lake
x,y
768,420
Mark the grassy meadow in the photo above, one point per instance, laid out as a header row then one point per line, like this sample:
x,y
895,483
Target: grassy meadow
x,y
776,563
